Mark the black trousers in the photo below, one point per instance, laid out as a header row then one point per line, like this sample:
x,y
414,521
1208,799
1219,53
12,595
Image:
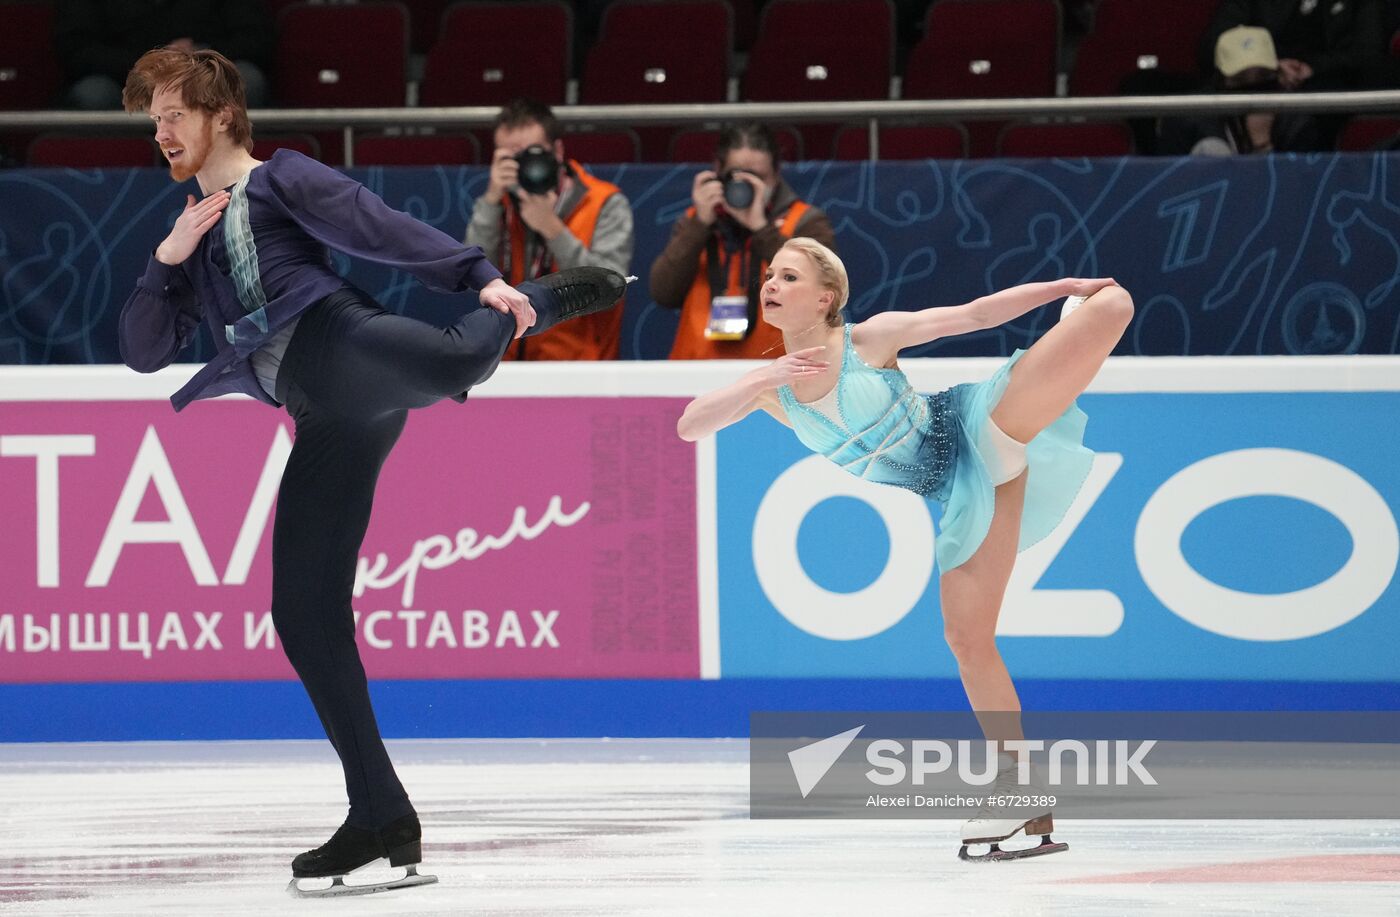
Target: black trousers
x,y
350,375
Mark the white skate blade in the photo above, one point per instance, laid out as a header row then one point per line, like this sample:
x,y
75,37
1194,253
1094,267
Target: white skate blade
x,y
339,888
1071,303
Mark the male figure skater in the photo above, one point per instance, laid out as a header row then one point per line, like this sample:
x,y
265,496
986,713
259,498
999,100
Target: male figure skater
x,y
251,260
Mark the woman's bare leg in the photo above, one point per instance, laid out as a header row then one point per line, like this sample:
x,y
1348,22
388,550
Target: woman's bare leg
x,y
971,595
1059,367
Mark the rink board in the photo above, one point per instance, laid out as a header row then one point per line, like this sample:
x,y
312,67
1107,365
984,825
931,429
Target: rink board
x,y
549,559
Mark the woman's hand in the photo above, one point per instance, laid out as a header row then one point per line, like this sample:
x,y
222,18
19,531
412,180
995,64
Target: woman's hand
x,y
1078,286
190,227
800,364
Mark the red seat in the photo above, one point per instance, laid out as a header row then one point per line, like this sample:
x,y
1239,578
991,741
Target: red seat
x,y
693,145
416,150
266,144
489,53
1029,140
822,50
1126,39
92,152
29,75
969,53
591,147
660,51
915,141
352,56
1369,132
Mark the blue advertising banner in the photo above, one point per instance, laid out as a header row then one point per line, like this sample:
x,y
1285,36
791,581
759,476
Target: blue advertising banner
x,y
1221,534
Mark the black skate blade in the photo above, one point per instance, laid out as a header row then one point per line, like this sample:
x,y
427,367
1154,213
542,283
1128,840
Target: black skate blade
x,y
996,854
340,889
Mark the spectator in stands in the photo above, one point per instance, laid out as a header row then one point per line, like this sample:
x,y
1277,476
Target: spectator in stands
x,y
543,212
1245,61
99,40
741,214
1323,45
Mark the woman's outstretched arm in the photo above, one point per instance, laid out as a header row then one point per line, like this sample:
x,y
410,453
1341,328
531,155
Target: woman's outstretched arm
x,y
755,390
882,336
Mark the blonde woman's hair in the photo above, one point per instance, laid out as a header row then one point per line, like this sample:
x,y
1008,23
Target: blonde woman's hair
x,y
830,272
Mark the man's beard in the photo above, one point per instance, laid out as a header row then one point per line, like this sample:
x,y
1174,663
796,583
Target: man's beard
x,y
190,164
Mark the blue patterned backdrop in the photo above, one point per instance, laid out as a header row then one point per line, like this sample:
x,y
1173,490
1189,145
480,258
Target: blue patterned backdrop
x,y
1282,254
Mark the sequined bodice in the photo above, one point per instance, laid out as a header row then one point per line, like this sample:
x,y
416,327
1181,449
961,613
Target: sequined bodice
x,y
887,432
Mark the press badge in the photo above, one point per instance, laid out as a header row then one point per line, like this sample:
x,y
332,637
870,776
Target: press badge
x,y
729,319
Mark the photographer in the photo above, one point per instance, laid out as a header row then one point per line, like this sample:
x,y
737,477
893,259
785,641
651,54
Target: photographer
x,y
542,213
742,212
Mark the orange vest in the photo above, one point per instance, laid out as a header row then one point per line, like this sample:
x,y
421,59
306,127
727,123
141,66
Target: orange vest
x,y
691,343
592,337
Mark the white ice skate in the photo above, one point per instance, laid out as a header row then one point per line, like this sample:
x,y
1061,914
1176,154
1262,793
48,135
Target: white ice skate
x,y
993,824
1071,303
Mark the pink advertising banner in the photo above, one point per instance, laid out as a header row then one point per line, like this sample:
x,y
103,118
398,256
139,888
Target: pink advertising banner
x,y
511,538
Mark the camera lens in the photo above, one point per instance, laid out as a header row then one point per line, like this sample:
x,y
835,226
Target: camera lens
x,y
738,194
539,170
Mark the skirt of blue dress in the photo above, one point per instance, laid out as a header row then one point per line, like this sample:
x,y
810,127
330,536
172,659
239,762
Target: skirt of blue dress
x,y
1058,464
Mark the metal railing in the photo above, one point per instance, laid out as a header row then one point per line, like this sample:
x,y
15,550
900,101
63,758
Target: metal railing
x,y
873,113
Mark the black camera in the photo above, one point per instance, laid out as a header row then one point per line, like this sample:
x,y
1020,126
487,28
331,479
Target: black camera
x,y
738,194
539,170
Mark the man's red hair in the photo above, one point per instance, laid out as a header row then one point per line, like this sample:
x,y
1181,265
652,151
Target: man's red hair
x,y
206,80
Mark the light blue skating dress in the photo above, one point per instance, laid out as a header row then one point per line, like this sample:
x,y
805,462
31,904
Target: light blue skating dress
x,y
890,434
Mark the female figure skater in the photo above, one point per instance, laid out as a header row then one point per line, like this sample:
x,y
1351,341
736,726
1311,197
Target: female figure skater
x,y
1004,457
250,260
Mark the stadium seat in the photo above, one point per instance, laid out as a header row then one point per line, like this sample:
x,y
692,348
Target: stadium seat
x,y
693,145
590,147
968,53
1127,39
491,52
342,56
29,74
1369,132
265,145
822,50
1028,140
915,141
416,150
97,151
660,51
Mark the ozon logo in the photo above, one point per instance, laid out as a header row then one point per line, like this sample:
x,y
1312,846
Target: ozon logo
x,y
1029,611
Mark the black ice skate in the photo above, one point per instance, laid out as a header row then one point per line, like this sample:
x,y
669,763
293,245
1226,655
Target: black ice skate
x,y
572,293
351,848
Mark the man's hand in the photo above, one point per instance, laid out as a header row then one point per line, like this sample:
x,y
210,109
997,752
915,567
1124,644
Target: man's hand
x,y
1293,73
507,300
190,227
706,193
755,216
537,210
505,173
